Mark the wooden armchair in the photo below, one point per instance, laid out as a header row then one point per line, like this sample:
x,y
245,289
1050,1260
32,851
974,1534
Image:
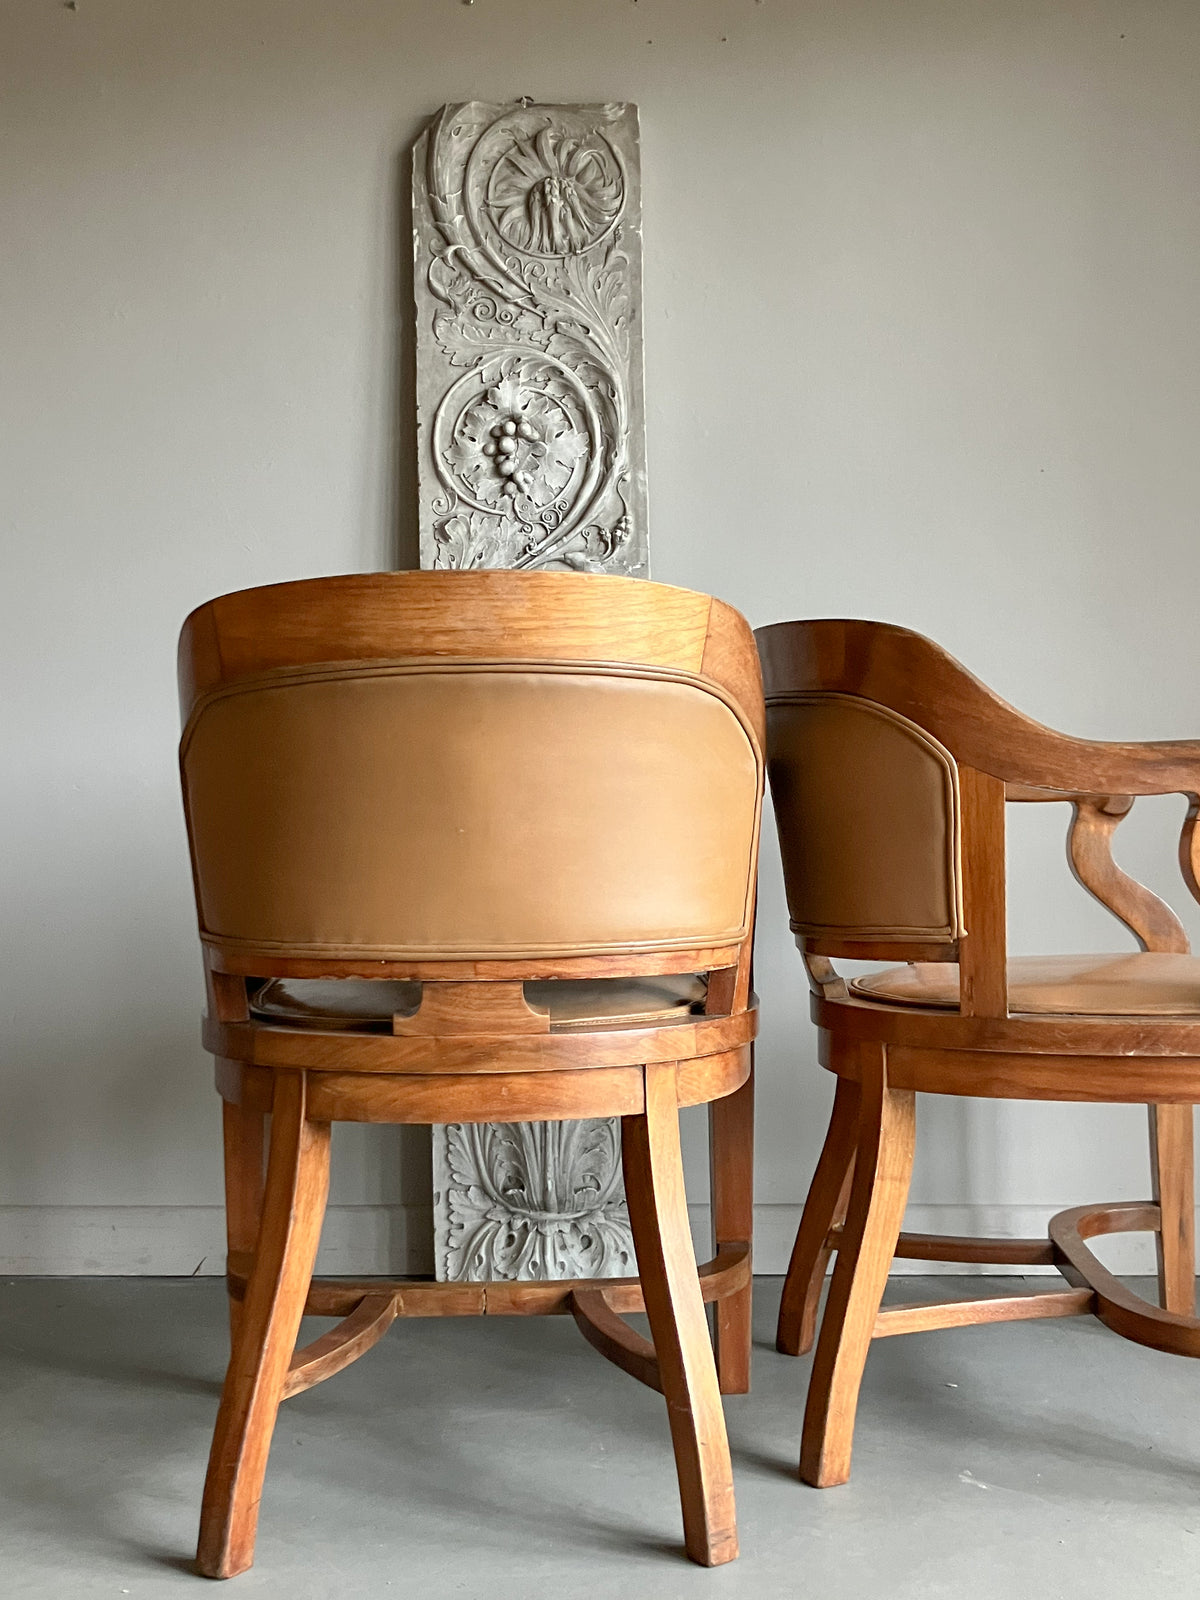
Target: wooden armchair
x,y
890,769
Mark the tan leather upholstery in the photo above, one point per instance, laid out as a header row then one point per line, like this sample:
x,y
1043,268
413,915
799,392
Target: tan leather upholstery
x,y
867,809
1147,984
429,810
578,1003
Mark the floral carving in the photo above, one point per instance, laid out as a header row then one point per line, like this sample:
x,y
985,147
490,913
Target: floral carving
x,y
531,1200
527,439
529,351
554,195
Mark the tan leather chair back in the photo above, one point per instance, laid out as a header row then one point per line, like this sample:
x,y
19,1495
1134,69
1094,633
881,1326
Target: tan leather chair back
x,y
867,809
373,779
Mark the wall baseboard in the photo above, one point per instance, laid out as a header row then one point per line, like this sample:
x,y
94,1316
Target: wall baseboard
x,y
188,1241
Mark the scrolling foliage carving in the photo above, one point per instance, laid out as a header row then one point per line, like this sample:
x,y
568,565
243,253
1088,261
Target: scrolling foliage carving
x,y
529,351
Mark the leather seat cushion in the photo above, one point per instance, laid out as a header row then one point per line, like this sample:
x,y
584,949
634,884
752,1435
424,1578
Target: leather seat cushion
x,y
1146,984
370,1003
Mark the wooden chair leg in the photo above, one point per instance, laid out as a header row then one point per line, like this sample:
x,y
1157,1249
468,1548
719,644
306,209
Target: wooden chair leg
x,y
882,1168
731,1147
1172,1171
667,1267
824,1208
243,1134
293,1209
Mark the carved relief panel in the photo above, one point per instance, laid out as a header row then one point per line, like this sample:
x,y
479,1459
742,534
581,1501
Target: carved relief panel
x,y
529,346
531,453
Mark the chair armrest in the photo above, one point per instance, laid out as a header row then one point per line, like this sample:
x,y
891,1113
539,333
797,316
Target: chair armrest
x,y
1041,764
1027,794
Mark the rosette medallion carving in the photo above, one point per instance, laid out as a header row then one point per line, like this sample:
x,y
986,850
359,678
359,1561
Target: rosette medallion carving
x,y
530,453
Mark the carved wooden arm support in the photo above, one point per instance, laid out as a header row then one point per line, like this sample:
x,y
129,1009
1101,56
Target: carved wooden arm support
x,y
1089,850
1189,847
823,977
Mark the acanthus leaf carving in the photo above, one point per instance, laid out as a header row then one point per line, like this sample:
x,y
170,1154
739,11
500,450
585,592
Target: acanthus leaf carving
x,y
531,1200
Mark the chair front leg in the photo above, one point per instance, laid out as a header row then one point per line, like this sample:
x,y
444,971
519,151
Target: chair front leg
x,y
293,1209
731,1148
1172,1173
243,1132
667,1267
825,1207
882,1168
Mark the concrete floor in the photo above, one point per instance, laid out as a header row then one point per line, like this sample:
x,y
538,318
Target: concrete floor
x,y
505,1458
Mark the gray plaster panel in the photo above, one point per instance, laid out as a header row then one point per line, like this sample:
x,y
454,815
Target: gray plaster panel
x,y
528,268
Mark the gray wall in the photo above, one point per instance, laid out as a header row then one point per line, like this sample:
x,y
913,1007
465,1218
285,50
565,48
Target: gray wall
x,y
922,344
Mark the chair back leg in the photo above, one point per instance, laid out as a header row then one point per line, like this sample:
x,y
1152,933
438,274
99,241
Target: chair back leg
x,y
731,1148
667,1268
882,1168
244,1135
1172,1173
825,1208
293,1209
